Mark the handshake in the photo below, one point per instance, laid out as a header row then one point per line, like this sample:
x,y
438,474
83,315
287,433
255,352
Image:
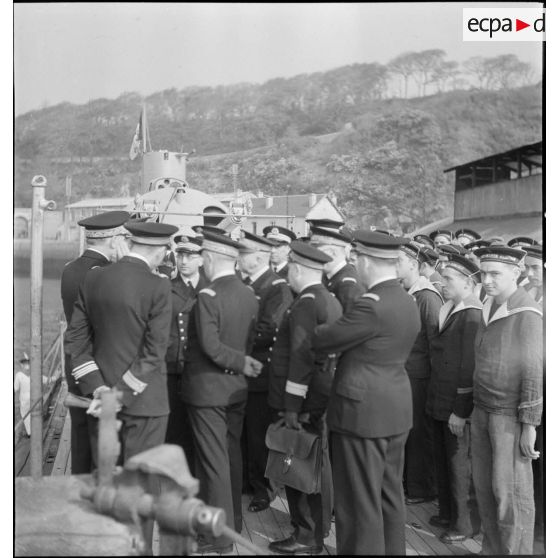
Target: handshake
x,y
252,367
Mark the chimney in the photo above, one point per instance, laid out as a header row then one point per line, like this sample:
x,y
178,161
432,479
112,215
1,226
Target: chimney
x,y
312,200
268,202
260,194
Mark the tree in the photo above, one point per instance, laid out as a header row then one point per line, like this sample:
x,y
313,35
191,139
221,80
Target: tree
x,y
476,66
426,64
403,65
446,72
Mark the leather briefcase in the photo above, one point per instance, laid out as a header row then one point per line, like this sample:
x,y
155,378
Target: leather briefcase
x,y
294,458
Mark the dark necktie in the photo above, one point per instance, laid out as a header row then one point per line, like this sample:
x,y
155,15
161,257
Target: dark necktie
x,y
247,281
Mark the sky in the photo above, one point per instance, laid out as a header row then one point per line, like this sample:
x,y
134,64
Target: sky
x,y
82,51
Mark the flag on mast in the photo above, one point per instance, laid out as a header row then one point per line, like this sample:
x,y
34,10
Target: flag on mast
x,y
138,140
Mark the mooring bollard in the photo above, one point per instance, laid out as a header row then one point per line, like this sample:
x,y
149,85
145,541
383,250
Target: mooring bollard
x,y
36,351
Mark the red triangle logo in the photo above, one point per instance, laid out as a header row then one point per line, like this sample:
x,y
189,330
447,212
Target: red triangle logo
x,y
519,25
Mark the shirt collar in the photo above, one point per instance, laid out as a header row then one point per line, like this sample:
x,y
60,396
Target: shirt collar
x,y
192,280
281,266
337,268
139,257
255,276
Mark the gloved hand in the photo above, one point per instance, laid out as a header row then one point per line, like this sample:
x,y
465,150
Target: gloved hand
x,y
291,420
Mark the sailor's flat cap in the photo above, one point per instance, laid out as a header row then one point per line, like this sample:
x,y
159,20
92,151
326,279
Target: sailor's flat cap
x,y
464,265
441,232
280,234
477,244
467,233
105,224
308,256
414,250
500,253
153,234
447,249
521,241
424,239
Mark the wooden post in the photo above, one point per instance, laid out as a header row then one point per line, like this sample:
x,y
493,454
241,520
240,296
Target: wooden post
x,y
36,352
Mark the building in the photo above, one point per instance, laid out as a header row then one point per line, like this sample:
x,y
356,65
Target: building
x,y
498,195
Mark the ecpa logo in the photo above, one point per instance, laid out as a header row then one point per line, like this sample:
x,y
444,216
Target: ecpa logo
x,y
503,24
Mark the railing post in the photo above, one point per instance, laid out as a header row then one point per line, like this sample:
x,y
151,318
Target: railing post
x,y
36,352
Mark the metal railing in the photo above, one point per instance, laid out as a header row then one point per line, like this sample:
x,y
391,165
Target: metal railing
x,y
53,361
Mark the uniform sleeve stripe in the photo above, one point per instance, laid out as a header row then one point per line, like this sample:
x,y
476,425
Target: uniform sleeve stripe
x,y
278,281
462,391
308,295
296,389
84,365
529,404
133,383
84,369
372,296
348,279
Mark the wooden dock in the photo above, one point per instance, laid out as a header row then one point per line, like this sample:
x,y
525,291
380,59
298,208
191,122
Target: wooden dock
x,y
272,524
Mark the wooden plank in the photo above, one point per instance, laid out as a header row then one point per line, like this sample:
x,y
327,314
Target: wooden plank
x,y
63,453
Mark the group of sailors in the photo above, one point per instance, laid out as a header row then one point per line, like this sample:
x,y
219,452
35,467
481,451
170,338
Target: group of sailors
x,y
418,361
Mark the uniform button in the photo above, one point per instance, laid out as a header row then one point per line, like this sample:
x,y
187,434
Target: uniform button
x,y
135,392
181,330
268,360
180,322
180,314
275,339
182,338
270,349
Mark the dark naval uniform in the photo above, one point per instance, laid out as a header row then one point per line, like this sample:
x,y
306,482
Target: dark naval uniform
x,y
370,414
419,450
300,380
345,286
451,391
81,435
282,270
215,390
183,299
274,297
118,337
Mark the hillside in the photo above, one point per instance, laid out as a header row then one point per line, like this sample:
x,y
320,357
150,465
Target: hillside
x,y
329,132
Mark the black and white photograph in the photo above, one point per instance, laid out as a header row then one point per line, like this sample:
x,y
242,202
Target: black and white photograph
x,y
279,279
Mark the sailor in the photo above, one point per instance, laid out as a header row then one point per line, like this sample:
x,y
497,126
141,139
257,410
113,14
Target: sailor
x,y
299,386
465,236
534,272
370,406
190,280
508,402
105,241
472,246
119,335
450,399
443,251
419,457
441,236
274,297
280,253
214,384
340,278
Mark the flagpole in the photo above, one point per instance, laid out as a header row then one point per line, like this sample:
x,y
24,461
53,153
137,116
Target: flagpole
x,y
143,130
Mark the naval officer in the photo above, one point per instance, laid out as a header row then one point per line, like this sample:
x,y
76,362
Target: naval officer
x,y
105,240
280,252
299,386
214,383
370,408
